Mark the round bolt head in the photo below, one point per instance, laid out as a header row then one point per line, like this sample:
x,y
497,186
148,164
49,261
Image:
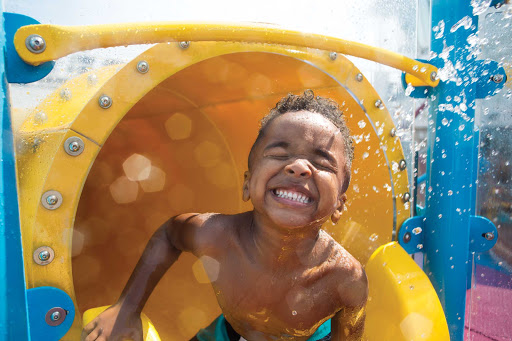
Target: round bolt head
x,y
497,78
359,77
55,316
184,44
407,197
35,43
333,55
143,66
402,165
74,146
105,102
433,76
489,235
51,200
392,132
379,104
407,237
43,255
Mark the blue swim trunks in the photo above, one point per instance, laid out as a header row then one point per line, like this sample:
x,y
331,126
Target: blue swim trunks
x,y
220,330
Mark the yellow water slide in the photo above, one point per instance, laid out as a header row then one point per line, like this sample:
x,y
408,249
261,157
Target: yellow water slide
x,y
115,152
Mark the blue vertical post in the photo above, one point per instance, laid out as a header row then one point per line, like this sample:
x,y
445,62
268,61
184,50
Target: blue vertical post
x,y
13,297
450,159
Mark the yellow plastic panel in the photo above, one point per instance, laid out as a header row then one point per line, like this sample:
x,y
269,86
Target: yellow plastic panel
x,y
402,304
149,332
176,140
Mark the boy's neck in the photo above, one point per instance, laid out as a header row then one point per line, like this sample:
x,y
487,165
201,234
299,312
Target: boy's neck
x,y
277,246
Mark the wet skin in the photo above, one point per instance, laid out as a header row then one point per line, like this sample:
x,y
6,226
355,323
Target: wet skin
x,y
276,274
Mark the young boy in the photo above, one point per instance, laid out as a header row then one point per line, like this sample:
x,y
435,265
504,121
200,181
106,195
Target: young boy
x,y
280,277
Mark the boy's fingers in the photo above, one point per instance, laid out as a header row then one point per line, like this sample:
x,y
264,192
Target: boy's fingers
x,y
90,327
93,336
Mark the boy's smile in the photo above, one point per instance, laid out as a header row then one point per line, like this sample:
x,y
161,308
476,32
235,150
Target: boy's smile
x,y
297,169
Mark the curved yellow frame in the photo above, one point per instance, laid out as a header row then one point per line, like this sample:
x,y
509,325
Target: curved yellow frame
x,y
44,165
64,40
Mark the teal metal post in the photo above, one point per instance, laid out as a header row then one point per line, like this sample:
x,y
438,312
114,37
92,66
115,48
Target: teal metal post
x,y
13,296
450,159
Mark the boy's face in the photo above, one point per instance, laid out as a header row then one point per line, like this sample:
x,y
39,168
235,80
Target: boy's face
x,y
297,171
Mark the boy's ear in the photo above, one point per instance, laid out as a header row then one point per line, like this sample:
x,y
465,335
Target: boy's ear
x,y
245,189
341,203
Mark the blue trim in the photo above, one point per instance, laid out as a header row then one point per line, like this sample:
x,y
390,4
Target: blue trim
x,y
17,70
13,299
40,301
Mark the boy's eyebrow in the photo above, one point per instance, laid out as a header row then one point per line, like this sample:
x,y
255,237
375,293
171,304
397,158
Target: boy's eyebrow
x,y
325,154
277,144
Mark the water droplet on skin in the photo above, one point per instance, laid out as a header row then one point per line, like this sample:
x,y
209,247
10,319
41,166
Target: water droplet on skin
x,y
294,312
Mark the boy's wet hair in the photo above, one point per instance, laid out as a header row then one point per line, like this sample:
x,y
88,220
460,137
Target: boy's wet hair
x,y
320,105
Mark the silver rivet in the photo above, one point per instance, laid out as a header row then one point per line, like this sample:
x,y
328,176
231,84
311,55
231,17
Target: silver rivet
x,y
407,197
74,146
55,316
35,43
433,76
333,55
497,78
184,44
43,255
105,102
51,200
379,104
392,132
143,66
359,77
489,235
402,165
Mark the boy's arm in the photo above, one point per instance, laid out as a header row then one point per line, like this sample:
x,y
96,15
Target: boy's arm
x,y
348,323
163,249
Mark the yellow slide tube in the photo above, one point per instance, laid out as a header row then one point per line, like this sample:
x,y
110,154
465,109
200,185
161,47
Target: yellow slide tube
x,y
63,40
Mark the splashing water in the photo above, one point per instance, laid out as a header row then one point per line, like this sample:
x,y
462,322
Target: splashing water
x,y
480,6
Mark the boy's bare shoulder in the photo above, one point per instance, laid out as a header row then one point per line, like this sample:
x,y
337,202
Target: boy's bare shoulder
x,y
347,275
201,233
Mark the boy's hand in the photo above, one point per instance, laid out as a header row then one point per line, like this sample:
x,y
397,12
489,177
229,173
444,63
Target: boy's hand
x,y
114,325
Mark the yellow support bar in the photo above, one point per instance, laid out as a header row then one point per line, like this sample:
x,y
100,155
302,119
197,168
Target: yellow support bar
x,y
63,40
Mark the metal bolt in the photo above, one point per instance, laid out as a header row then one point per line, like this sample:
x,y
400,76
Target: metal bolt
x,y
44,255
433,76
35,43
407,237
333,55
392,132
379,104
359,77
52,200
407,197
143,66
497,78
488,235
105,102
184,44
55,316
402,165
74,146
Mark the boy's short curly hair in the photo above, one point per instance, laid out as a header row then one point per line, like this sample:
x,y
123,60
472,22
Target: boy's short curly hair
x,y
321,105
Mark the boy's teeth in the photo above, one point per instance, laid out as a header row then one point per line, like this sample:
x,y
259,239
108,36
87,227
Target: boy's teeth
x,y
292,196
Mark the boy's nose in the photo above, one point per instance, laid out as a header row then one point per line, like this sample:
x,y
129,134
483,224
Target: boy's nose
x,y
298,168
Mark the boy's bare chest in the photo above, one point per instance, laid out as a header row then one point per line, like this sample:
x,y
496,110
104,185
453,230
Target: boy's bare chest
x,y
290,301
